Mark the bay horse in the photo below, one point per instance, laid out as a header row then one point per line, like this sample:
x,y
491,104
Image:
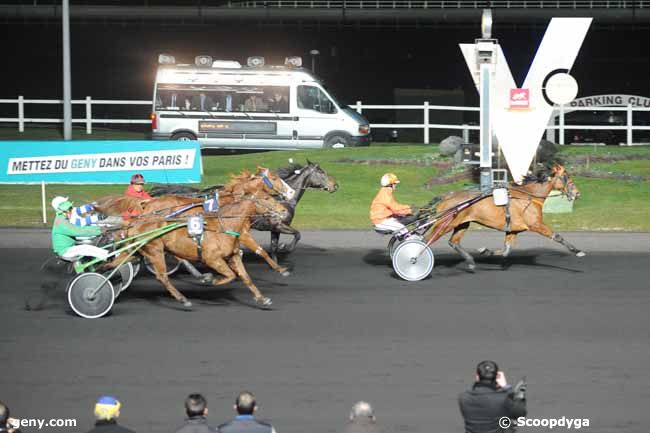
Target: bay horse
x,y
526,202
219,245
244,182
300,179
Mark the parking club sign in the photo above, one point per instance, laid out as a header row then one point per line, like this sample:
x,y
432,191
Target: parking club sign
x,y
519,99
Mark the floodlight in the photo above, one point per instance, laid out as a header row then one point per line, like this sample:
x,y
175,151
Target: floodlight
x,y
255,62
203,61
166,59
294,62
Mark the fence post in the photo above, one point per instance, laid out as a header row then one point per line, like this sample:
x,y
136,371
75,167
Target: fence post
x,y
43,206
426,122
359,107
561,124
629,124
21,114
89,115
465,133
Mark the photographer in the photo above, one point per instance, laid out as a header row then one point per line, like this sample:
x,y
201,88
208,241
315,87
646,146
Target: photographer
x,y
490,400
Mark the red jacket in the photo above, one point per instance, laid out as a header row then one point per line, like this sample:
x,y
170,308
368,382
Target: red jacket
x,y
131,192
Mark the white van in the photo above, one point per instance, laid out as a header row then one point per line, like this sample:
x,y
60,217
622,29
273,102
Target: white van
x,y
225,105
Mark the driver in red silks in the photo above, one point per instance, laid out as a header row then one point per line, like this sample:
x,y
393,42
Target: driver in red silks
x,y
135,189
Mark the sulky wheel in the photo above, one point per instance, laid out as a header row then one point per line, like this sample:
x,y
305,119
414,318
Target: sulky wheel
x,y
171,261
136,266
395,242
413,260
121,279
90,295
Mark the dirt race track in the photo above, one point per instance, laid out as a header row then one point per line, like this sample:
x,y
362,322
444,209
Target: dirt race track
x,y
344,328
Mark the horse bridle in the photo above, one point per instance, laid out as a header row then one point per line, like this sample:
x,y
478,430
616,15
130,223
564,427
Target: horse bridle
x,y
313,168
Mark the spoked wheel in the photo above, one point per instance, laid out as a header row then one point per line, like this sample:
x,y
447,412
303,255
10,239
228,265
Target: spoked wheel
x,y
413,260
171,261
122,279
137,265
395,242
90,295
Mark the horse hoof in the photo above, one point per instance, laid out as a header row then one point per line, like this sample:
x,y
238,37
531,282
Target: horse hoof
x,y
187,304
207,278
581,254
471,267
485,251
285,272
264,301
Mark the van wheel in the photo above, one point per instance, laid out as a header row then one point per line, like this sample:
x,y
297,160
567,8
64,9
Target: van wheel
x,y
183,136
337,142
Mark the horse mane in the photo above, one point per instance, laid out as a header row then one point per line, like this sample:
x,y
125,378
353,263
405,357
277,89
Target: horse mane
x,y
286,172
542,172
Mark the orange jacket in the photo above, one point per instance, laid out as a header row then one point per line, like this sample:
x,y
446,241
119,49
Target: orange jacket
x,y
385,206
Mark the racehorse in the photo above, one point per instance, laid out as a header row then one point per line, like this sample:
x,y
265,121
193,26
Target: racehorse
x,y
300,179
525,209
218,246
245,182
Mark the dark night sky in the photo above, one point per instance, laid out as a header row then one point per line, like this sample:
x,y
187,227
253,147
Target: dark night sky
x,y
118,62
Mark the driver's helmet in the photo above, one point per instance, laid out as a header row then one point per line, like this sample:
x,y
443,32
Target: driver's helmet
x,y
137,179
389,179
61,204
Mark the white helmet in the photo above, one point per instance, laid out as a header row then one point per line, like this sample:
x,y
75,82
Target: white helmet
x,y
58,201
389,179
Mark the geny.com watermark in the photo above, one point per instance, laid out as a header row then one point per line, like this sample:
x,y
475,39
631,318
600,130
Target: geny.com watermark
x,y
41,423
568,423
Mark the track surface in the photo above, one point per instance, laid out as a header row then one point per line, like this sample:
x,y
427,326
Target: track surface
x,y
343,329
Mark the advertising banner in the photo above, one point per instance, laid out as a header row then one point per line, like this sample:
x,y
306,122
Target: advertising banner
x,y
94,162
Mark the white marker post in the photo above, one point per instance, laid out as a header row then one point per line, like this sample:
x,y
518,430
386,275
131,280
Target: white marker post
x,y
485,61
43,202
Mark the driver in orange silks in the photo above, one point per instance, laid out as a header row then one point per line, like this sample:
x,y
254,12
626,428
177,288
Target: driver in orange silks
x,y
385,212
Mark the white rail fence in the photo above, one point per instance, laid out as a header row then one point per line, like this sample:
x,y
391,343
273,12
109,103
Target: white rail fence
x,y
438,4
425,108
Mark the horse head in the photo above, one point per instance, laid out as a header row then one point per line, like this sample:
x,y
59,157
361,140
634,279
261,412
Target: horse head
x,y
562,182
318,178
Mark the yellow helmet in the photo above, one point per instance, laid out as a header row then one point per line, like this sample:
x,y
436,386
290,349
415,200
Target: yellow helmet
x,y
389,179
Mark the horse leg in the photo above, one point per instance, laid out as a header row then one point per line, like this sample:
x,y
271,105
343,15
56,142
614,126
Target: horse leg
x,y
220,265
157,261
275,238
247,240
288,230
454,242
237,265
507,247
545,230
189,267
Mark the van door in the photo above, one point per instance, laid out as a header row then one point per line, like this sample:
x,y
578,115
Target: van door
x,y
318,115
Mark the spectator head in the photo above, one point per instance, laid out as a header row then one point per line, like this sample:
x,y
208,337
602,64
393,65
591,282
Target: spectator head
x,y
107,408
362,411
486,371
4,414
196,405
245,403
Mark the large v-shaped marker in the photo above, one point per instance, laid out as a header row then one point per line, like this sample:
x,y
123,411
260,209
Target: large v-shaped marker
x,y
519,131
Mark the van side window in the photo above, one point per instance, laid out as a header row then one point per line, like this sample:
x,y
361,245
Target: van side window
x,y
224,98
312,98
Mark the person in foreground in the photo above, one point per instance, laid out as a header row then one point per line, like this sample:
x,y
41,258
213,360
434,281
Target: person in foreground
x,y
196,409
491,404
64,234
107,411
245,421
362,419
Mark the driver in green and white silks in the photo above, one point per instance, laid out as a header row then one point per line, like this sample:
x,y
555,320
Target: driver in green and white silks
x,y
64,234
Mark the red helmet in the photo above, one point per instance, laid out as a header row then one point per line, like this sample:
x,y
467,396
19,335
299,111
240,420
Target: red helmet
x,y
137,179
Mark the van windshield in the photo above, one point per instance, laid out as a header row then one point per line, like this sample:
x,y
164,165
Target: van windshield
x,y
313,98
223,98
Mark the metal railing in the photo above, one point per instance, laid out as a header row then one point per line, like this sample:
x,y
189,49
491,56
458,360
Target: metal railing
x,y
428,4
425,108
88,120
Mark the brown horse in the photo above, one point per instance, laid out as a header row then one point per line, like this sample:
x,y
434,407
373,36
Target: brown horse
x,y
243,183
219,245
525,209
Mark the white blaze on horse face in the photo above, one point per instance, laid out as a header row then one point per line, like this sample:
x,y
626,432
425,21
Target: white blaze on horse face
x,y
290,192
519,131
